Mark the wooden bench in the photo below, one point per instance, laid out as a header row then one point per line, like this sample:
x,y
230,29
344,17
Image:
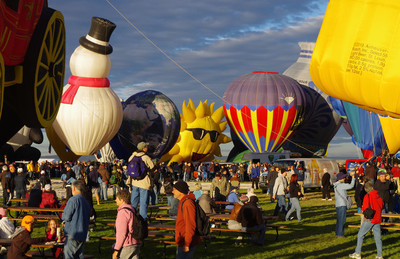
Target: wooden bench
x,y
274,226
40,217
49,254
388,226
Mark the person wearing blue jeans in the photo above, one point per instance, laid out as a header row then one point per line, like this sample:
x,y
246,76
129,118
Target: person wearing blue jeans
x,y
372,200
279,193
341,200
141,188
294,192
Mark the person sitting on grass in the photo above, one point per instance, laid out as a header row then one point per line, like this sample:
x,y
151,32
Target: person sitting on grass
x,y
21,239
251,218
371,199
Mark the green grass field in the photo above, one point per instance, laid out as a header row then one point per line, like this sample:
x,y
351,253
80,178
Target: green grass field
x,y
314,238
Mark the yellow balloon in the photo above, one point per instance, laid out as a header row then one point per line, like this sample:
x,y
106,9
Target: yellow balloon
x,y
200,134
390,129
357,55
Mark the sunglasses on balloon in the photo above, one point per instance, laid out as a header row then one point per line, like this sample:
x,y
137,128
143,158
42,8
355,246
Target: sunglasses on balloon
x,y
199,134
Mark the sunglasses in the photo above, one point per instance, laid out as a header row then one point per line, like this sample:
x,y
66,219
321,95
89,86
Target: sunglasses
x,y
199,134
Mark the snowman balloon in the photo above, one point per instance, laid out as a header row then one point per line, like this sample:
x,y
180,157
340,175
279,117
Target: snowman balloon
x,y
90,113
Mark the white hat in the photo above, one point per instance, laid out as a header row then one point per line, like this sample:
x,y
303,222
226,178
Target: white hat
x,y
47,187
42,172
20,170
5,168
325,170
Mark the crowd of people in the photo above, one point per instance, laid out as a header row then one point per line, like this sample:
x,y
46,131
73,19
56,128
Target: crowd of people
x,y
85,182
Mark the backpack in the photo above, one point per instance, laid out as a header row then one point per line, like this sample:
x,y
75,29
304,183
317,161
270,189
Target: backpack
x,y
113,179
137,169
202,220
139,226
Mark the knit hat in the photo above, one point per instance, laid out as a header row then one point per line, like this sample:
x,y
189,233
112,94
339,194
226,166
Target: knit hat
x,y
42,172
20,170
243,198
182,187
340,176
142,145
3,212
382,172
27,222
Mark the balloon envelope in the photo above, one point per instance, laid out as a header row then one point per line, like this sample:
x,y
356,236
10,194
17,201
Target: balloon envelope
x,y
264,109
152,117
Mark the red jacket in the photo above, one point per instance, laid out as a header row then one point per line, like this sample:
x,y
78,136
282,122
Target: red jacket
x,y
396,171
376,204
185,226
48,200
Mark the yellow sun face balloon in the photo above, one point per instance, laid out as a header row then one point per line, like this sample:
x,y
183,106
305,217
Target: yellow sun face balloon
x,y
200,134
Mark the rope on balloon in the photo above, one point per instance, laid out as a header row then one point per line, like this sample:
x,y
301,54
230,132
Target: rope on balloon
x,y
187,72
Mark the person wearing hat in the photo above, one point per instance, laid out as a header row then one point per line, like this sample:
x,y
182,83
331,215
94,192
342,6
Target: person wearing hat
x,y
185,227
49,198
44,179
69,179
6,226
21,239
341,200
232,197
5,177
141,188
251,218
326,185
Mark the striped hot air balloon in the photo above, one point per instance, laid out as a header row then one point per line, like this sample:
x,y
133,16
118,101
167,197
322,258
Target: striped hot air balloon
x,y
264,109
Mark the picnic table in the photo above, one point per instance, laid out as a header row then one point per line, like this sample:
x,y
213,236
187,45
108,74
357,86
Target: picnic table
x,y
40,247
25,210
19,200
384,225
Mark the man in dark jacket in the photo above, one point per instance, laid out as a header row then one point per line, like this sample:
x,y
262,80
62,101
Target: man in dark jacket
x,y
251,218
5,184
271,177
326,185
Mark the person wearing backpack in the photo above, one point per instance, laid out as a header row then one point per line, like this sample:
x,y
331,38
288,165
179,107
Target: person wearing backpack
x,y
186,237
125,245
141,187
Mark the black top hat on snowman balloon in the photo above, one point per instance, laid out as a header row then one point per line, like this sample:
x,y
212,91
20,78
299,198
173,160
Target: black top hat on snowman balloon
x,y
99,35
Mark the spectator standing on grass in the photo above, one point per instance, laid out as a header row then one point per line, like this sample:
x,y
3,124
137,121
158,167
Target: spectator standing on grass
x,y
5,184
76,222
360,193
20,182
125,245
93,183
341,200
326,185
294,192
186,237
141,188
44,179
271,178
396,177
254,175
105,178
279,193
69,179
372,200
300,170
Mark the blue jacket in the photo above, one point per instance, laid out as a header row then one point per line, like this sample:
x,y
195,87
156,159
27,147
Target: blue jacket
x,y
255,172
232,197
76,217
342,189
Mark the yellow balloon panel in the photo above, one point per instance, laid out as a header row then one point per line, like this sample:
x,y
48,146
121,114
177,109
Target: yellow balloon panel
x,y
357,55
390,128
200,136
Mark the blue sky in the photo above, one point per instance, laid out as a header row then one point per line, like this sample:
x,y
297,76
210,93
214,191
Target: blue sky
x,y
215,41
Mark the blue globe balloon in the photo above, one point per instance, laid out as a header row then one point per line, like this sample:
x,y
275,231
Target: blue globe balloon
x,y
152,117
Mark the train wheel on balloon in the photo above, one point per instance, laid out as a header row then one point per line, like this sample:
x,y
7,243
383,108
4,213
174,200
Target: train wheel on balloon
x,y
44,67
2,76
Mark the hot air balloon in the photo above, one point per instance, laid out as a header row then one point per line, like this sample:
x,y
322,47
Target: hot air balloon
x,y
264,108
63,152
365,128
90,112
356,56
321,122
200,134
148,116
105,154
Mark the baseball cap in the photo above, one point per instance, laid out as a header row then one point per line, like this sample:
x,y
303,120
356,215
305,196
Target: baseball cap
x,y
141,145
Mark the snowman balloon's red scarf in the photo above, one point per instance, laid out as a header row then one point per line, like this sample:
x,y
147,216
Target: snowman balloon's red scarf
x,y
76,81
